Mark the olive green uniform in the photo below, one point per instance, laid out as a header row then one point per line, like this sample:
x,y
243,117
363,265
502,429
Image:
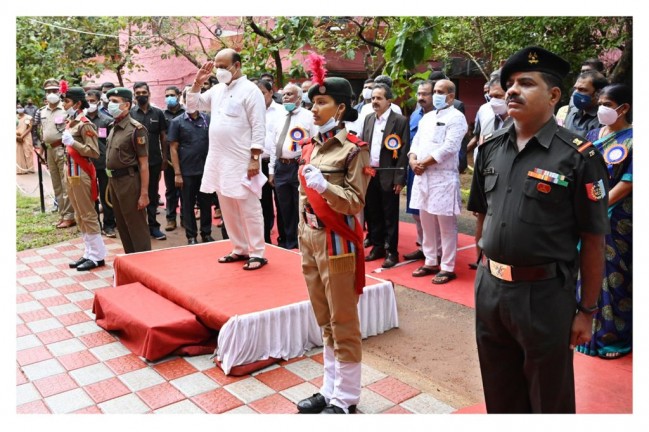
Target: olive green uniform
x,y
126,142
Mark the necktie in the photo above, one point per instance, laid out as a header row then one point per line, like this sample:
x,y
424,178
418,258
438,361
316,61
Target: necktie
x,y
282,136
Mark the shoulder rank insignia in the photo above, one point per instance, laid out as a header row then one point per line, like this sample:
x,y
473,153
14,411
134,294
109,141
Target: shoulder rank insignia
x,y
577,141
356,140
583,147
595,191
488,136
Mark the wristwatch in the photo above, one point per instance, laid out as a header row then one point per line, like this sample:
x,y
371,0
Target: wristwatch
x,y
255,157
588,310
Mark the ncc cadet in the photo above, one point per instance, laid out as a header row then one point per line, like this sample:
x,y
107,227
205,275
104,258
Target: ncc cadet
x,y
538,190
333,183
81,145
127,167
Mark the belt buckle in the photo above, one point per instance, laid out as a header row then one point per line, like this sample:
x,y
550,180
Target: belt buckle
x,y
501,271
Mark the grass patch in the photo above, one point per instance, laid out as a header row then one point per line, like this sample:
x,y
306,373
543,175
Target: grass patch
x,y
35,229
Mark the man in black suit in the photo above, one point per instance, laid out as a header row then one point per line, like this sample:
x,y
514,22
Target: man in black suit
x,y
388,134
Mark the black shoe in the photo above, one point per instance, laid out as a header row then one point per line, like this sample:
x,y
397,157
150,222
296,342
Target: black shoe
x,y
333,409
78,262
110,232
375,254
416,255
90,264
391,260
312,405
367,243
207,238
192,241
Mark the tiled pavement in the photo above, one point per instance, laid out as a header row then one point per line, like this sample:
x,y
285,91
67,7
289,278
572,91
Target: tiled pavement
x,y
65,363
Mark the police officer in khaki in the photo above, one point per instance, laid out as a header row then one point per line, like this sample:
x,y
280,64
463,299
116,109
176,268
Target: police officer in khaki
x,y
52,121
333,182
81,145
127,167
538,190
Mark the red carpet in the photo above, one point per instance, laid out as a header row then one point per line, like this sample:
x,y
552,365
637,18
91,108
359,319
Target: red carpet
x,y
459,290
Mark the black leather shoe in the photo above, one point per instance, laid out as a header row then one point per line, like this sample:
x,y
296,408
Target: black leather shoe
x,y
192,241
312,405
333,409
367,243
416,255
391,260
375,254
78,262
207,238
90,264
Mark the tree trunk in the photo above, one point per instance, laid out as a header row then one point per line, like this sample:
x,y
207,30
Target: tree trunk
x,y
623,72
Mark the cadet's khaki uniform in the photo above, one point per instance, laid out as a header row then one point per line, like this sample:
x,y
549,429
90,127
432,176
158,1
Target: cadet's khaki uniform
x,y
53,124
126,142
333,296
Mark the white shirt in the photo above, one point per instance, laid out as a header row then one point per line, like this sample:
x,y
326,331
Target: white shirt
x,y
238,124
357,125
440,134
377,138
302,119
274,113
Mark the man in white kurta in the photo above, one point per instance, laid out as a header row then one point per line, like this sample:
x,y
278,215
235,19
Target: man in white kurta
x,y
237,133
436,187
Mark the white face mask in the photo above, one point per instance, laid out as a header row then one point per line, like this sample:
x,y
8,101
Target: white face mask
x,y
92,108
498,105
223,75
607,116
72,112
53,98
367,93
113,109
330,124
439,101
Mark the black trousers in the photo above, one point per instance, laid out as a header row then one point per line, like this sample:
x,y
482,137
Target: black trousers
x,y
523,335
286,190
154,196
269,203
191,194
172,194
109,214
382,215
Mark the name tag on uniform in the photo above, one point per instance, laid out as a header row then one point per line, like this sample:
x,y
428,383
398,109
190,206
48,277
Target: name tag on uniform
x,y
102,133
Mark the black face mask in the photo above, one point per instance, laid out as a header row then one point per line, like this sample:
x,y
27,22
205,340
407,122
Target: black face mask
x,y
142,100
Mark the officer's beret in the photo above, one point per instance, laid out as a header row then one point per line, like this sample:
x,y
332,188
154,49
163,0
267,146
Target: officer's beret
x,y
122,92
534,59
333,86
76,94
51,84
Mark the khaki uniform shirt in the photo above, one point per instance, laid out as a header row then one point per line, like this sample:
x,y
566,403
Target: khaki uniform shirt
x,y
126,142
53,123
85,137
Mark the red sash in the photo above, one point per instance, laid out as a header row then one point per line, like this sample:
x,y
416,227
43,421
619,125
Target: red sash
x,y
85,164
334,221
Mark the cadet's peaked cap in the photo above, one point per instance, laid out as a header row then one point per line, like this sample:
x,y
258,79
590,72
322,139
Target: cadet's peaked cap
x,y
51,84
122,92
534,59
76,94
333,86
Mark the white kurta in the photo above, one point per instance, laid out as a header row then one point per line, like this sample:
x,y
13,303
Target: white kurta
x,y
238,124
274,113
440,134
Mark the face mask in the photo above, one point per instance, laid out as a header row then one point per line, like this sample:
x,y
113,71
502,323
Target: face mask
x,y
72,112
367,93
331,123
581,101
223,75
172,101
305,98
20,110
487,97
113,109
92,108
104,99
498,105
53,98
289,106
439,101
142,100
607,116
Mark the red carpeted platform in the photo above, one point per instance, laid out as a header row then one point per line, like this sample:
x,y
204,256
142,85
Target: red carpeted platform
x,y
260,315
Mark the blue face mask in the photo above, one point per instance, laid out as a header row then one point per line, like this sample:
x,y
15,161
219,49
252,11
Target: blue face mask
x,y
289,106
439,101
581,101
113,109
171,101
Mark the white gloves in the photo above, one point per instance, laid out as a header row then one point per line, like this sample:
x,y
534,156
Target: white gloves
x,y
67,139
314,178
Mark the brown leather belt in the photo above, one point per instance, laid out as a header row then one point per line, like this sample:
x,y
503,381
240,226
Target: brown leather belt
x,y
520,273
55,144
288,161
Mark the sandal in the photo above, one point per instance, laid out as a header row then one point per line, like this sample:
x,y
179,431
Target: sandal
x,y
443,277
425,271
230,258
261,261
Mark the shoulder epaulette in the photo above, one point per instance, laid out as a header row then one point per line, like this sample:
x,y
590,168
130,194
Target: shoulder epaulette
x,y
304,141
84,119
136,123
356,140
492,136
582,145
